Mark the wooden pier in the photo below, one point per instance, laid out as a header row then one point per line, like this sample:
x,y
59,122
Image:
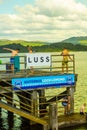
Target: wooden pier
x,y
32,102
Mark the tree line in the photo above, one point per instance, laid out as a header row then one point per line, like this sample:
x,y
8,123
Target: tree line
x,y
54,47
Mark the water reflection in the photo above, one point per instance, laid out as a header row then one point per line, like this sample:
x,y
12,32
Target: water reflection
x,y
9,121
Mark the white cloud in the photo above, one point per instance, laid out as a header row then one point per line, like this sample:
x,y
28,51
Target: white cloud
x,y
47,20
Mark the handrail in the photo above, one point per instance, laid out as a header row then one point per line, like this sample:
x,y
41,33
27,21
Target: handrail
x,y
55,64
22,113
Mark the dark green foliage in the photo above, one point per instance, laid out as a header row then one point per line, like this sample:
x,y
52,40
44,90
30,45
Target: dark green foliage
x,y
55,47
13,46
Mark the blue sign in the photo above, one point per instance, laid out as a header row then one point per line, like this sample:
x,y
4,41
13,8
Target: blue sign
x,y
43,82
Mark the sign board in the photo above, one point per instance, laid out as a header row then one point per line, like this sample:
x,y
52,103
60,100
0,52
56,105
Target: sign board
x,y
37,82
38,59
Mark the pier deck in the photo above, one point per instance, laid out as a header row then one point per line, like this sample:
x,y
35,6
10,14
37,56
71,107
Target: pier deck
x,y
26,73
71,120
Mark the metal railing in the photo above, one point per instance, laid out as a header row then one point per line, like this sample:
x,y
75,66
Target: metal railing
x,y
55,65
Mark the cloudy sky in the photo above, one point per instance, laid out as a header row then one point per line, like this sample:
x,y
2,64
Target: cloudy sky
x,y
42,20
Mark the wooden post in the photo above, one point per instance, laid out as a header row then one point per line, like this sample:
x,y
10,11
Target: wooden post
x,y
42,101
34,103
70,92
53,118
25,62
51,64
45,127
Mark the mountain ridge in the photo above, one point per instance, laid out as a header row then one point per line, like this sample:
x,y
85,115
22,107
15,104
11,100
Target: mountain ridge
x,y
76,40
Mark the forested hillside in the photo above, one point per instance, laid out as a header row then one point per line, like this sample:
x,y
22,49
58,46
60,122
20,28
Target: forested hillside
x,y
45,48
75,44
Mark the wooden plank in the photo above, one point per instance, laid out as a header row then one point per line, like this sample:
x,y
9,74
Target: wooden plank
x,y
22,113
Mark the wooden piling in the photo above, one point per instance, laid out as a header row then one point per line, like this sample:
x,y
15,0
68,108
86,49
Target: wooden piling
x,y
70,92
34,103
45,127
53,118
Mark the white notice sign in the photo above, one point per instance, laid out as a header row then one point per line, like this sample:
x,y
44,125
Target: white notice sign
x,y
38,59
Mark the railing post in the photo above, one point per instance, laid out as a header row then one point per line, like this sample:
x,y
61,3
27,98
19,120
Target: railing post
x,y
51,64
25,62
53,118
25,65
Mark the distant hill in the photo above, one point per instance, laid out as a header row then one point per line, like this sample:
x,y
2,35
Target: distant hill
x,y
76,40
22,42
73,44
57,47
